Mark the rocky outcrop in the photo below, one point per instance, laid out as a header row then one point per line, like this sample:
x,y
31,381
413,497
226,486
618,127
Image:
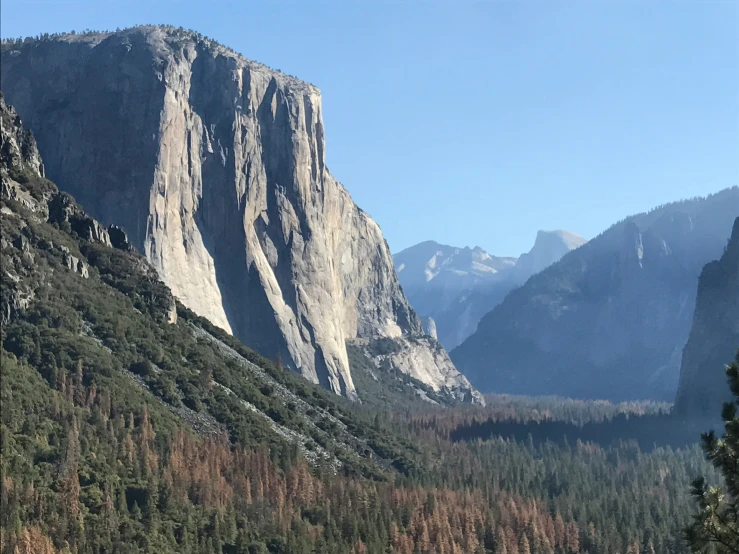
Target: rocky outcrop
x,y
611,318
429,327
19,156
119,238
714,337
19,161
64,210
78,266
216,167
457,286
425,360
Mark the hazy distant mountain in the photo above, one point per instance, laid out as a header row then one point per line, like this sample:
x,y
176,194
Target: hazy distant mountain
x,y
549,247
611,318
714,337
433,274
457,286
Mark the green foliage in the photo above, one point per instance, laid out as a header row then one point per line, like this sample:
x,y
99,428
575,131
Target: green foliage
x,y
122,432
382,346
86,344
716,525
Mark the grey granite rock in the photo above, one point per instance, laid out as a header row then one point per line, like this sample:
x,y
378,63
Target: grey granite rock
x,y
215,165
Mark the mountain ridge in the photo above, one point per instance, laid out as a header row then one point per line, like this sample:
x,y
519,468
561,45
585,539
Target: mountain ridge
x,y
456,286
631,290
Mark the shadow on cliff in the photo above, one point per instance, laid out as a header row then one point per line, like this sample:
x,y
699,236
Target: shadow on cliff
x,y
223,215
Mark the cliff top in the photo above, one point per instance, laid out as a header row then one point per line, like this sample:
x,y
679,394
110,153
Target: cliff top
x,y
164,41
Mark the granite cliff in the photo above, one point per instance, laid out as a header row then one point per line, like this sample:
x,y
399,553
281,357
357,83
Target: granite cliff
x,y
216,167
611,318
87,304
714,337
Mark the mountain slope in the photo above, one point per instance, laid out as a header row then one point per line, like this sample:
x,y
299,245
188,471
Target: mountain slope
x,y
215,164
457,286
130,427
714,337
89,316
610,319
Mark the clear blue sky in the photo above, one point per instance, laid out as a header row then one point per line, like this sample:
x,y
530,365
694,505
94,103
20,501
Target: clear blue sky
x,y
477,123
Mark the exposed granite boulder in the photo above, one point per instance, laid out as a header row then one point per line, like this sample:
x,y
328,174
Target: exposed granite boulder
x,y
75,264
119,238
714,337
21,243
429,327
63,209
215,166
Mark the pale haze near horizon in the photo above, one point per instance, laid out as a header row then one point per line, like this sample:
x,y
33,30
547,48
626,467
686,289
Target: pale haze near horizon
x,y
478,123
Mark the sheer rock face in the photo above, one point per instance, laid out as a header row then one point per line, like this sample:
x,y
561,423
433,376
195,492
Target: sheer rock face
x,y
28,196
215,166
714,337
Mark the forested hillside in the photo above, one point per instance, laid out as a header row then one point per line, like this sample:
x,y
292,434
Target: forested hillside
x,y
130,425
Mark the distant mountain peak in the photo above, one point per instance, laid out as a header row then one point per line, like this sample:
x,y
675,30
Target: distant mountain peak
x,y
735,234
548,248
572,240
444,281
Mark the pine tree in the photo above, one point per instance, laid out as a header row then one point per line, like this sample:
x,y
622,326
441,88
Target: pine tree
x,y
500,542
523,547
70,484
79,388
717,522
33,541
573,537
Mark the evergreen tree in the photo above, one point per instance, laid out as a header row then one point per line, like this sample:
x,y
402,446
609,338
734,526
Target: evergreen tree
x,y
717,522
